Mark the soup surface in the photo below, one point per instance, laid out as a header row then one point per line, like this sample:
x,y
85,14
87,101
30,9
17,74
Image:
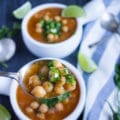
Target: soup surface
x,y
53,83
48,26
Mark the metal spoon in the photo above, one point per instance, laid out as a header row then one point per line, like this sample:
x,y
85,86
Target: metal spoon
x,y
19,77
108,22
7,49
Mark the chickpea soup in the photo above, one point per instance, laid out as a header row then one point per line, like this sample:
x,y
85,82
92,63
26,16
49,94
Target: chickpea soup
x,y
46,79
48,26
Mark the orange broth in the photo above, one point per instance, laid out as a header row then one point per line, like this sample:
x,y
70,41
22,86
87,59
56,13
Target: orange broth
x,y
24,99
71,24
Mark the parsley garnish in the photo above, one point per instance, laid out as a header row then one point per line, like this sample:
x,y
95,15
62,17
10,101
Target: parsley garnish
x,y
51,102
7,32
116,114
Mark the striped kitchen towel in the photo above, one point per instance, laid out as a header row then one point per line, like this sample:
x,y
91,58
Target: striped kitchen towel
x,y
100,84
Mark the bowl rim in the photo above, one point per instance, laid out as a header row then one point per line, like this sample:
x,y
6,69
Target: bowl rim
x,y
80,105
41,7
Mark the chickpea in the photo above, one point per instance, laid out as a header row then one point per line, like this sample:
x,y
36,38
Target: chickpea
x,y
43,108
59,106
61,82
48,86
59,89
38,25
65,29
63,71
34,80
51,111
46,17
57,18
41,116
44,70
38,92
50,37
34,105
38,30
56,37
66,101
64,22
57,64
70,87
29,110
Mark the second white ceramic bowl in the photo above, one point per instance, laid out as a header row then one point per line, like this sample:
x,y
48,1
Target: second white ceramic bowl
x,y
58,50
72,116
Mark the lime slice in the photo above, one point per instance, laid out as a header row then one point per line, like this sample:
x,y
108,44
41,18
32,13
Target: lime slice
x,y
20,12
86,63
73,11
4,113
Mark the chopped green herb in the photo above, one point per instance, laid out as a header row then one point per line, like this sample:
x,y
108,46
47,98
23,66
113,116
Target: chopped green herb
x,y
51,102
54,74
53,30
58,25
42,76
42,23
64,71
51,63
51,26
70,79
63,96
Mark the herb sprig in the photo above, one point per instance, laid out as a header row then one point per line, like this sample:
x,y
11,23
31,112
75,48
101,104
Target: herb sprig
x,y
7,32
4,64
51,102
116,114
117,76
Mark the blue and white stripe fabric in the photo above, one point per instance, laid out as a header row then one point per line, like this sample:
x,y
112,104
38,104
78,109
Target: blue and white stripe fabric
x,y
100,84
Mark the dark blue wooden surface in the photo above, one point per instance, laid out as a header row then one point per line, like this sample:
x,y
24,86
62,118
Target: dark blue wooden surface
x,y
22,55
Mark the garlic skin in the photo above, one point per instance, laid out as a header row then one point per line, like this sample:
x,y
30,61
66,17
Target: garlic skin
x,y
7,49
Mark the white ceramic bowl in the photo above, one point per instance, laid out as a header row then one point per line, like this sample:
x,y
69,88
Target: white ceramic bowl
x,y
58,50
6,84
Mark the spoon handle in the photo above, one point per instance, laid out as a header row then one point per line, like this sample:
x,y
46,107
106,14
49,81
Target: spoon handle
x,y
11,75
96,43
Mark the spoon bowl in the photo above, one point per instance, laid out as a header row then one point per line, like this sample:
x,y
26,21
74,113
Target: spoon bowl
x,y
109,22
7,49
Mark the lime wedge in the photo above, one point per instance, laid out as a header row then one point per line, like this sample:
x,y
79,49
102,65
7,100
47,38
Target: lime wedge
x,y
73,11
4,113
86,63
20,12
